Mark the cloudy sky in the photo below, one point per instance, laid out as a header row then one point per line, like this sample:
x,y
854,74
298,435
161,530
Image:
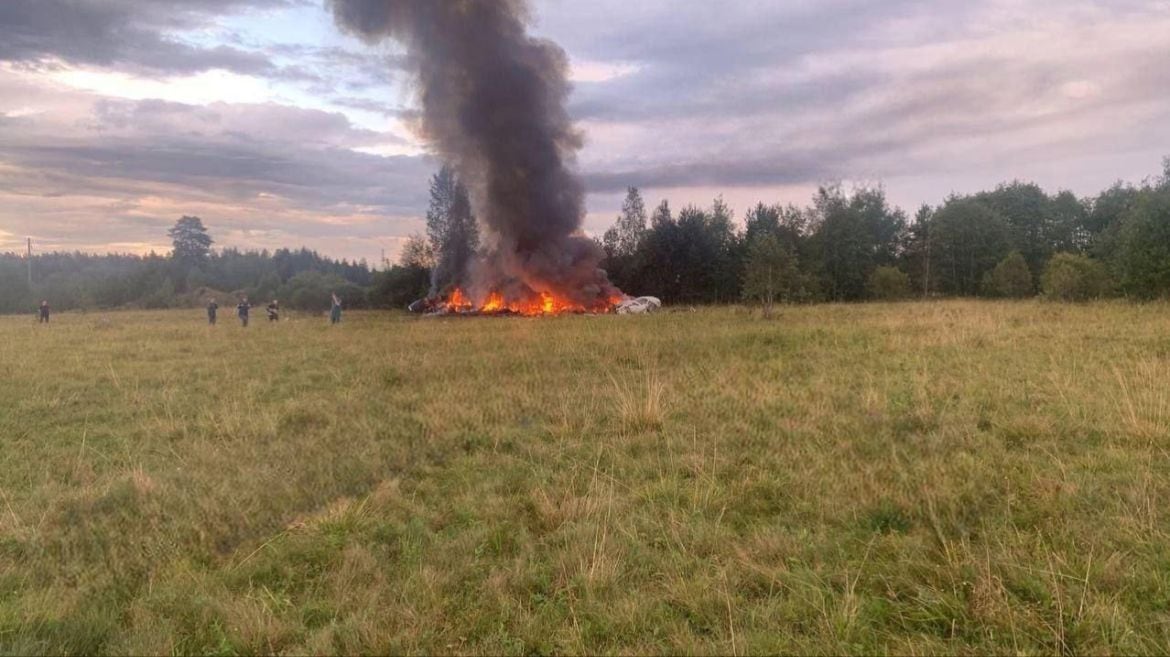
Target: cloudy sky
x,y
119,116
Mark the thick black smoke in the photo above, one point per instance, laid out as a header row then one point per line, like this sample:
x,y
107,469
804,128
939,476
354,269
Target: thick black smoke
x,y
493,105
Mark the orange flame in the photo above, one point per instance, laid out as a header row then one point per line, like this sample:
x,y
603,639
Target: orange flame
x,y
459,301
494,303
546,303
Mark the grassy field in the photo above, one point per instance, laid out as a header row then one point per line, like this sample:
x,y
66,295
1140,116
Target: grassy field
x,y
951,477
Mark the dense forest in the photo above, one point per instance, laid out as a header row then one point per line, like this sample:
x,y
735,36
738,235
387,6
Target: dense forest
x,y
846,245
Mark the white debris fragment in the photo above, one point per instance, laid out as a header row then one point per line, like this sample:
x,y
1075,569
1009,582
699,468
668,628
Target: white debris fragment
x,y
639,306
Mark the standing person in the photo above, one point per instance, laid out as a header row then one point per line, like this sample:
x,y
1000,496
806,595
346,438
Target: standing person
x,y
212,310
242,310
273,311
44,315
335,311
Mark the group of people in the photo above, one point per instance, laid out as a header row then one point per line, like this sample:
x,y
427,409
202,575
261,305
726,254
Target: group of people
x,y
243,309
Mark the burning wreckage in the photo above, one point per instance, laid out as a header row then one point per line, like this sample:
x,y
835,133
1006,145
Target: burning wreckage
x,y
493,107
458,303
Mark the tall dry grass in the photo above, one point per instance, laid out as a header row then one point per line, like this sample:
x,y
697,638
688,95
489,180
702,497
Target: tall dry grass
x,y
948,477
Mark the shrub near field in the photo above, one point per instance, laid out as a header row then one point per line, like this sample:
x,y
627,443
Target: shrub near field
x,y
947,477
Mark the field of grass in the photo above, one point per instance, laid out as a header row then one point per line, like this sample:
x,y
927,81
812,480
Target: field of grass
x,y
950,477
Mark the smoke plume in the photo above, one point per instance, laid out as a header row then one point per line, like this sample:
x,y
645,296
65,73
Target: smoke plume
x,y
493,105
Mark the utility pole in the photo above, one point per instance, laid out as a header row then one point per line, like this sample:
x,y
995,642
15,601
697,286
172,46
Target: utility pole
x,y
29,258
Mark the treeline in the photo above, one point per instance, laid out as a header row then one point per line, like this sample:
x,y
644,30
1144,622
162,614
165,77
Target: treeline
x,y
299,278
1014,241
847,245
851,245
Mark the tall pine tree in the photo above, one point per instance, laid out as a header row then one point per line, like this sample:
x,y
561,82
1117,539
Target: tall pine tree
x,y
451,229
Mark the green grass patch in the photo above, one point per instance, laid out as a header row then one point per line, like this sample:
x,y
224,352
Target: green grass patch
x,y
951,477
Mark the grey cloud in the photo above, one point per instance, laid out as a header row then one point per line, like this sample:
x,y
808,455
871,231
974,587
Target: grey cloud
x,y
719,60
710,36
632,99
242,122
236,152
703,110
783,169
784,166
886,139
124,34
376,107
333,68
687,73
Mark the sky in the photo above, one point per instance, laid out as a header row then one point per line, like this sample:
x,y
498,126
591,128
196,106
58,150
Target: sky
x,y
259,116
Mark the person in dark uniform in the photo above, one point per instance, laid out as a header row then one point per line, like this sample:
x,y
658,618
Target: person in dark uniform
x,y
242,310
212,310
44,316
274,311
335,311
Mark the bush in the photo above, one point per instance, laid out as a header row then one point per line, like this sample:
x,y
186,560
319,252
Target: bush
x,y
889,284
1011,278
399,286
1072,277
312,291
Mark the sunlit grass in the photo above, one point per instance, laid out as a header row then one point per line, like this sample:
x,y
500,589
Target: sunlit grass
x,y
948,477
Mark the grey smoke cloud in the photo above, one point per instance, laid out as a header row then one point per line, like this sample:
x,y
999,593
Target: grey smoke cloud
x,y
493,102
